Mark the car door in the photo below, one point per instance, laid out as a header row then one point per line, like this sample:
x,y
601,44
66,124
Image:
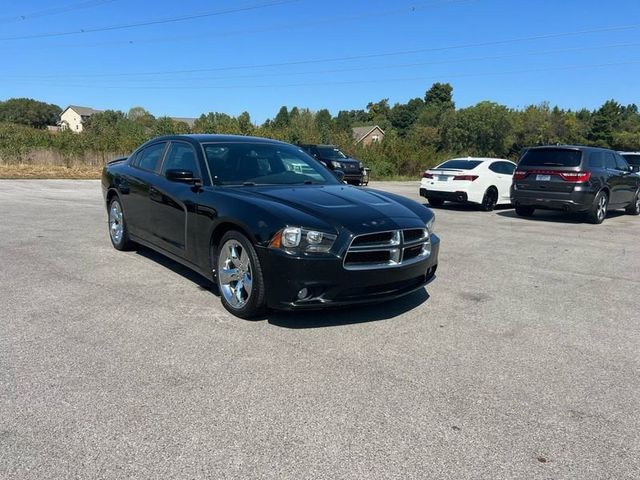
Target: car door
x,y
628,180
135,187
173,202
502,173
615,179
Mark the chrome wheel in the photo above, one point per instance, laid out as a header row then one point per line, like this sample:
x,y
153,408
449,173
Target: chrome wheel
x,y
116,225
602,207
235,273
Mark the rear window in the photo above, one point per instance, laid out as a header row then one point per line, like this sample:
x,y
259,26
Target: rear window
x,y
460,164
632,158
551,157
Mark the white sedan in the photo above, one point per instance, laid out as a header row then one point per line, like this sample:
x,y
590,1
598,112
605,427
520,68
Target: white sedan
x,y
485,181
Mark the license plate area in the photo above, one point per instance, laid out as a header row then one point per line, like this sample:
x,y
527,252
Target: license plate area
x,y
443,178
543,178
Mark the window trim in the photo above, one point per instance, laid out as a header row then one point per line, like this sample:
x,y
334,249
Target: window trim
x,y
136,162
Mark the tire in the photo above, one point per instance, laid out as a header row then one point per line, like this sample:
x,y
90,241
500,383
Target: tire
x,y
598,210
435,202
489,200
525,211
239,276
118,230
634,208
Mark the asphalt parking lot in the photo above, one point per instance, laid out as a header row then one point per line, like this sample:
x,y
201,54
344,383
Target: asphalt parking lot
x,y
521,360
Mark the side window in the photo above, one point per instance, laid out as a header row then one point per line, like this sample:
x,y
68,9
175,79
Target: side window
x,y
610,161
508,168
496,167
181,156
149,158
596,160
621,163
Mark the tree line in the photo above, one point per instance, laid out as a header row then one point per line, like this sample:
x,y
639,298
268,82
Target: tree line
x,y
418,134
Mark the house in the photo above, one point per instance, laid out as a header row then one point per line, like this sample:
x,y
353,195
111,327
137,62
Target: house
x,y
188,121
74,116
368,135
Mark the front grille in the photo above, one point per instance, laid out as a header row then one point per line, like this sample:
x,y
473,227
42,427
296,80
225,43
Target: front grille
x,y
387,249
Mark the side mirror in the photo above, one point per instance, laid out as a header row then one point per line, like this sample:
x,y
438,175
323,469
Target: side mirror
x,y
182,176
339,175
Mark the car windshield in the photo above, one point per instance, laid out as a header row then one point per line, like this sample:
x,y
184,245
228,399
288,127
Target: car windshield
x,y
331,153
246,163
632,158
460,164
551,157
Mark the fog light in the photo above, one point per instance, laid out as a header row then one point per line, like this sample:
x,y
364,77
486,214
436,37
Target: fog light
x,y
302,294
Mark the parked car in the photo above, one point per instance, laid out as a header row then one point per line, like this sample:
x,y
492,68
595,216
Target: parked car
x,y
484,181
269,224
334,159
575,179
633,159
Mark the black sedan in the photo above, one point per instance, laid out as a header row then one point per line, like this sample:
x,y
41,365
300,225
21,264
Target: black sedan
x,y
268,223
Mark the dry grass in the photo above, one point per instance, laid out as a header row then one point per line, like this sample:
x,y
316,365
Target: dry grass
x,y
23,171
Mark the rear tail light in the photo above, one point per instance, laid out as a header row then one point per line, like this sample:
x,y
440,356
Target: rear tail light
x,y
468,178
427,175
573,177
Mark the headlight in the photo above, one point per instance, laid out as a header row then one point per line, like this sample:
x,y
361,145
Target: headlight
x,y
336,164
430,223
297,240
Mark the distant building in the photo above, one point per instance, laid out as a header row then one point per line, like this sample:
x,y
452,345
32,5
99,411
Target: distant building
x,y
188,121
73,117
368,135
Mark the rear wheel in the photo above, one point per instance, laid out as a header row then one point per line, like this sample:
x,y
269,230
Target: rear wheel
x,y
489,200
598,211
118,231
239,276
435,202
634,208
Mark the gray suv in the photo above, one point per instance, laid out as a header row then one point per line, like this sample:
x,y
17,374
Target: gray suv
x,y
574,179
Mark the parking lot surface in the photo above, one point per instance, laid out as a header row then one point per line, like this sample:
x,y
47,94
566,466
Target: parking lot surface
x,y
521,360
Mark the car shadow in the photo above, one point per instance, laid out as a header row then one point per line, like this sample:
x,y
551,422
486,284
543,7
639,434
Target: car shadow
x,y
554,216
201,282
335,317
327,317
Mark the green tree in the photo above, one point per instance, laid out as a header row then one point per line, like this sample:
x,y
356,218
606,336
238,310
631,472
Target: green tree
x,y
27,111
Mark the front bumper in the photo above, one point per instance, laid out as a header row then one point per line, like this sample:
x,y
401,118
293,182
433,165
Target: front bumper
x,y
575,201
331,285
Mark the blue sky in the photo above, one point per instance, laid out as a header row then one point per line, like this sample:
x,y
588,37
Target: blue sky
x,y
257,55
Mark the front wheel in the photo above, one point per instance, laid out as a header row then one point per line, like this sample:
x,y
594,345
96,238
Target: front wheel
x,y
598,211
634,208
239,276
118,231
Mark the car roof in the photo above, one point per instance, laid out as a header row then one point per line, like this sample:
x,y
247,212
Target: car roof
x,y
214,137
570,147
480,159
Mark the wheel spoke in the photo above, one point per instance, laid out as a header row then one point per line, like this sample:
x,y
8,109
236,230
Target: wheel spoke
x,y
244,259
228,275
247,283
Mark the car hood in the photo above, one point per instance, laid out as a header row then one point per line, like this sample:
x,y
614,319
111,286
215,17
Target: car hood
x,y
343,205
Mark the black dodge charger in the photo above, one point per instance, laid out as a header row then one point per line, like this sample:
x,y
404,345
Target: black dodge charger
x,y
268,223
